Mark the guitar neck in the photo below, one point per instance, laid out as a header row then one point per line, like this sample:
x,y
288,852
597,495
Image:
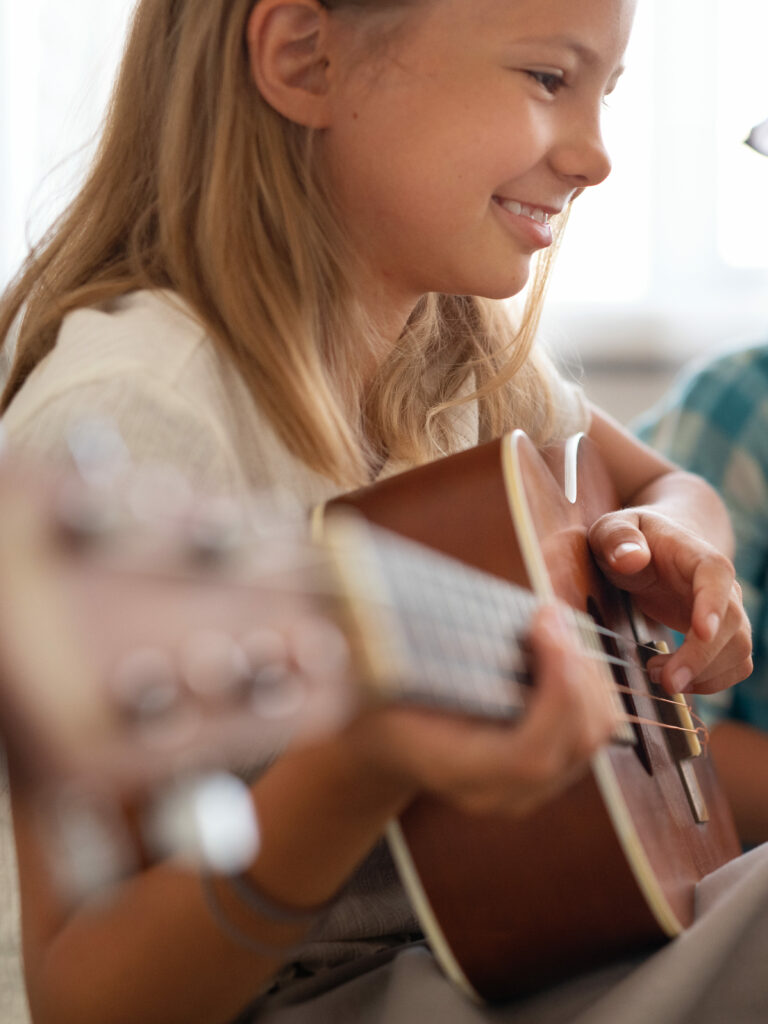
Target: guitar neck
x,y
432,630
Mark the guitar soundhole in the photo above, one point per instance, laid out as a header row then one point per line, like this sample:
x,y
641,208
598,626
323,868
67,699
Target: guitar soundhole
x,y
612,649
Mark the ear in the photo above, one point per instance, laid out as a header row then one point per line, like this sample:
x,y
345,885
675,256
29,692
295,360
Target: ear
x,y
287,43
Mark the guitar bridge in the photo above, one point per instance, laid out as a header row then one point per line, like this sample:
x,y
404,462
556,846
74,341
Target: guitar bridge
x,y
681,735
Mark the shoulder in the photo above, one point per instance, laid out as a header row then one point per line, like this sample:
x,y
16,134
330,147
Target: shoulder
x,y
146,332
144,363
147,364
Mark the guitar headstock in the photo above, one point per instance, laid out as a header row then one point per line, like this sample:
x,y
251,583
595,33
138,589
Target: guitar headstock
x,y
146,636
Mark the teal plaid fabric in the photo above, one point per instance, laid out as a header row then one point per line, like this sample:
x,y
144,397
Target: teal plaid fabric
x,y
714,422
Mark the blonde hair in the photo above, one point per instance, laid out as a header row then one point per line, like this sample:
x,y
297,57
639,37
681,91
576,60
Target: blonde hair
x,y
199,186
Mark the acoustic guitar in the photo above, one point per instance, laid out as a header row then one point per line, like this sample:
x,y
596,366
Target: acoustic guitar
x,y
141,644
437,604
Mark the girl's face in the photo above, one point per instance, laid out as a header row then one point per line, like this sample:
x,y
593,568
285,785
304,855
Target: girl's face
x,y
480,120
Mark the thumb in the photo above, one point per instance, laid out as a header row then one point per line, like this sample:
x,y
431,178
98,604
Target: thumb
x,y
618,544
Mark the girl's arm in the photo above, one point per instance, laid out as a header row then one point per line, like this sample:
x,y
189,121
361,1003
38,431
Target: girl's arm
x,y
670,547
151,951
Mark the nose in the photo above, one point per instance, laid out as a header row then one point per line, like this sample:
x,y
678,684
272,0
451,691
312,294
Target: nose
x,y
581,155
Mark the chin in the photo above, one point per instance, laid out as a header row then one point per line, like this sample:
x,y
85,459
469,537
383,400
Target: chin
x,y
504,282
506,288
496,283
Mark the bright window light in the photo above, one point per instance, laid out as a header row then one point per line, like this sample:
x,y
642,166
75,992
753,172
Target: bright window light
x,y
607,248
742,195
57,64
667,257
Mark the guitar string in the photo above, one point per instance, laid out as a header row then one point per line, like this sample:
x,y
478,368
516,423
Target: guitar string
x,y
319,589
587,621
700,731
315,559
602,657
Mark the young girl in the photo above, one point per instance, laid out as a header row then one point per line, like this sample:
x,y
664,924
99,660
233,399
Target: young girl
x,y
284,268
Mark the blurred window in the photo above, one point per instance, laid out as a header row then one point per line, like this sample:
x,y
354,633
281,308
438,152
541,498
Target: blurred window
x,y
668,257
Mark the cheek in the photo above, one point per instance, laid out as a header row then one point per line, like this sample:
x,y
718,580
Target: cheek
x,y
380,170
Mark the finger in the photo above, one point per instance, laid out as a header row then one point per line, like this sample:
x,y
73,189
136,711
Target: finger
x,y
732,664
618,544
696,666
723,680
565,722
714,589
729,644
485,768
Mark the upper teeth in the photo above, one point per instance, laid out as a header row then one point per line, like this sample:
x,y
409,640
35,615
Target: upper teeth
x,y
527,211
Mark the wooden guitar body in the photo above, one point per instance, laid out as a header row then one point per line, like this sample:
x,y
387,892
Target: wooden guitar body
x,y
610,867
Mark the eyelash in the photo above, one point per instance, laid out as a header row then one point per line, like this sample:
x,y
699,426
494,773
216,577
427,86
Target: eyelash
x,y
548,80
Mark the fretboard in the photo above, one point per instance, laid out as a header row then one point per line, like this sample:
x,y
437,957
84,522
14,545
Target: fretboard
x,y
437,631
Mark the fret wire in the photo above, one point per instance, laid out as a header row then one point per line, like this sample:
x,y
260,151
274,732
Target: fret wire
x,y
464,594
487,589
598,656
431,616
507,710
464,669
503,635
443,660
482,583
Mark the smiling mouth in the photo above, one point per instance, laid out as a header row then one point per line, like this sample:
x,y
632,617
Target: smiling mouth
x,y
522,209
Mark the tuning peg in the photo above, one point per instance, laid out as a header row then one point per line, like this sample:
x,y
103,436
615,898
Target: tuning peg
x,y
277,689
215,666
209,822
214,532
84,517
145,684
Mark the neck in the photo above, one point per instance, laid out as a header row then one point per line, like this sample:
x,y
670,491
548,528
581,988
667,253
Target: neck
x,y
386,311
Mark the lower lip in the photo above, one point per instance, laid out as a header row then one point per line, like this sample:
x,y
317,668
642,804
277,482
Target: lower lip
x,y
537,234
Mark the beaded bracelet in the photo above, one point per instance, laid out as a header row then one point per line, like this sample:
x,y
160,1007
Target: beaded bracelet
x,y
265,907
269,908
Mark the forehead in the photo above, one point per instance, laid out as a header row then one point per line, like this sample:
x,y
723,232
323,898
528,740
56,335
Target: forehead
x,y
600,25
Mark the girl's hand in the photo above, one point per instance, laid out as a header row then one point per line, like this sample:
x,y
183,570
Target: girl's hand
x,y
483,767
680,580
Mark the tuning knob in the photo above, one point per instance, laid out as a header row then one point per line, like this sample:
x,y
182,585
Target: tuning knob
x,y
85,517
209,822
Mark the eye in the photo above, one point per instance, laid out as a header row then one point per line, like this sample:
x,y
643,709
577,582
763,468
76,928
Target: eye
x,y
552,81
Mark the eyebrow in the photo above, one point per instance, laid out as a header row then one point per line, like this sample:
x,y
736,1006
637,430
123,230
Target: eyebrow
x,y
584,52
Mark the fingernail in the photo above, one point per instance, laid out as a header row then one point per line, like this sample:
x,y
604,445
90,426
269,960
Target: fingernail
x,y
713,624
681,679
625,549
655,675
